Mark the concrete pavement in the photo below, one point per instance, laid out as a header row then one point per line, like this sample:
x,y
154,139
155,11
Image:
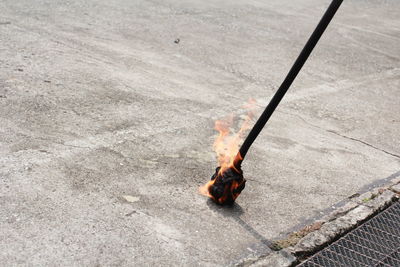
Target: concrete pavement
x,y
98,102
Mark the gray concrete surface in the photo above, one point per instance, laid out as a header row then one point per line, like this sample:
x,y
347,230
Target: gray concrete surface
x,y
98,102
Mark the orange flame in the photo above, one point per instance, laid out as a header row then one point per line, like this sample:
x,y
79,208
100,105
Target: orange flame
x,y
227,143
204,189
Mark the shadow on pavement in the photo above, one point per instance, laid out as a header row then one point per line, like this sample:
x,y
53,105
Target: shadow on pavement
x,y
235,211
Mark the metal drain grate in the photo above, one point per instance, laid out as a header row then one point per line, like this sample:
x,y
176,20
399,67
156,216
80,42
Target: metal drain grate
x,y
374,243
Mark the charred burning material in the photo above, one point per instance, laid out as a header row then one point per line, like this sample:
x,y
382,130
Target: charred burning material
x,y
226,186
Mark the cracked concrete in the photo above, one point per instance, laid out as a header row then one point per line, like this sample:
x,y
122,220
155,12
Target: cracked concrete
x,y
97,102
367,144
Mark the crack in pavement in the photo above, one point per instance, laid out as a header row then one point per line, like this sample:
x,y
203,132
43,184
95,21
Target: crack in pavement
x,y
365,143
341,135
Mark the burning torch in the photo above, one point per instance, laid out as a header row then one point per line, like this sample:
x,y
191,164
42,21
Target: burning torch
x,y
226,184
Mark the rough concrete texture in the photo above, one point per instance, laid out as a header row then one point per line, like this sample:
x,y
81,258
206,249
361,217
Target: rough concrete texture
x,y
281,259
97,103
331,229
396,188
381,201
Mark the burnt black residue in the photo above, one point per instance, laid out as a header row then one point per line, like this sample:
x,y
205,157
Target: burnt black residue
x,y
227,186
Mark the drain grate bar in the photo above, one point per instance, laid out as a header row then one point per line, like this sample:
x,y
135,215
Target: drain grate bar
x,y
374,243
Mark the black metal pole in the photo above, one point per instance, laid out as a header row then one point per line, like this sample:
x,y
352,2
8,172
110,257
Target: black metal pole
x,y
298,64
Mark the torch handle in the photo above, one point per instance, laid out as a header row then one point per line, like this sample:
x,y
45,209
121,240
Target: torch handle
x,y
298,64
